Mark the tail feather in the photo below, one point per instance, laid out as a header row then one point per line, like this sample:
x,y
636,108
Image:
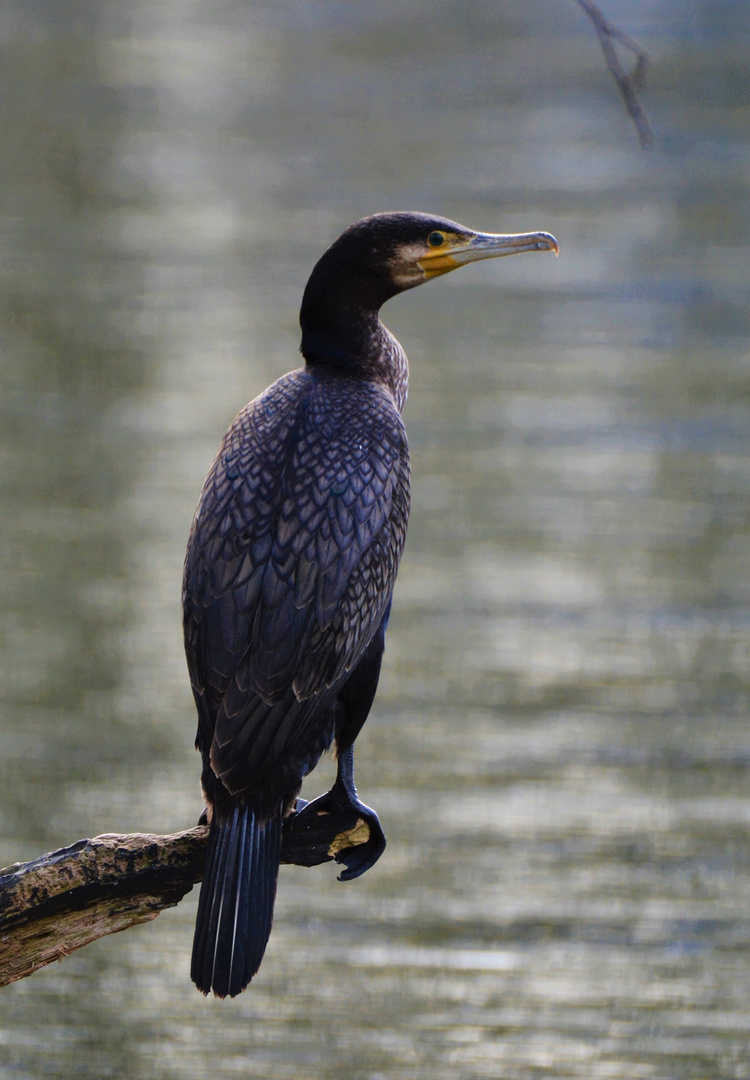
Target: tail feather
x,y
209,906
223,924
204,908
235,910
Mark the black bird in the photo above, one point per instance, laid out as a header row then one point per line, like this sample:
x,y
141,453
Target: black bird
x,y
290,568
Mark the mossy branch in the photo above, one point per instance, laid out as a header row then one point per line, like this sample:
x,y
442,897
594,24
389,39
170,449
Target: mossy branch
x,y
57,903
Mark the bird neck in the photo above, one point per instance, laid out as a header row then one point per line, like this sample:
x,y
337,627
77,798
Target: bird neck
x,y
354,342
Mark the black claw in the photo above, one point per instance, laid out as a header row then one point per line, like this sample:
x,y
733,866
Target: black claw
x,y
360,858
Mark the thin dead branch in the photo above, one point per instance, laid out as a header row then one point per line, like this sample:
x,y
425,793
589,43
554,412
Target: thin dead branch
x,y
628,85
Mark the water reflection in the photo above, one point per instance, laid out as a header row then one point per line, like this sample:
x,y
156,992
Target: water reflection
x,y
560,743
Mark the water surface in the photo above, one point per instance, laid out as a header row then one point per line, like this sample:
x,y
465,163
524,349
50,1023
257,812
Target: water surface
x,y
559,747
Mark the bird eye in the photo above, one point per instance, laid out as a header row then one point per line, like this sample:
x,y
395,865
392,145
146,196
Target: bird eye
x,y
435,239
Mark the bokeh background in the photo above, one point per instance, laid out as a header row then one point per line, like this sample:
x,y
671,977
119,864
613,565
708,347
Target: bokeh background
x,y
560,745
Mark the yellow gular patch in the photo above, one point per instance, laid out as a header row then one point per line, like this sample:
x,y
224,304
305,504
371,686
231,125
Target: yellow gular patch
x,y
439,263
414,263
438,259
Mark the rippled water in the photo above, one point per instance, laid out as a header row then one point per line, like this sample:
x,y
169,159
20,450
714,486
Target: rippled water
x,y
559,748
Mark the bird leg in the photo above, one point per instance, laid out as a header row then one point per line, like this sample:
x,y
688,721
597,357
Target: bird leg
x,y
343,797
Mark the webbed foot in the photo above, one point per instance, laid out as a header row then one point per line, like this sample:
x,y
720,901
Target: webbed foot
x,y
342,799
361,857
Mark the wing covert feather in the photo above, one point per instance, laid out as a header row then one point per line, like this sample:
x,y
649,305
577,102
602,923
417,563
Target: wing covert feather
x,y
293,552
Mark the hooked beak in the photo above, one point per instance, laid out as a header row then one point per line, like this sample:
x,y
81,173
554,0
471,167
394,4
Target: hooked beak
x,y
485,246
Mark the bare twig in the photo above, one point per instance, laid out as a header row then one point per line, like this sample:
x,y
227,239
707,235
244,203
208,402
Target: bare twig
x,y
627,84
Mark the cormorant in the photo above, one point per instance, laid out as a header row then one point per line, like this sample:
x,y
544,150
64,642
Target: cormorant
x,y
290,568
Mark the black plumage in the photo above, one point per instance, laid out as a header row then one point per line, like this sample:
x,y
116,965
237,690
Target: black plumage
x,y
290,569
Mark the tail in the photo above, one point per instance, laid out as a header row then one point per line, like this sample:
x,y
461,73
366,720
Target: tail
x,y
235,910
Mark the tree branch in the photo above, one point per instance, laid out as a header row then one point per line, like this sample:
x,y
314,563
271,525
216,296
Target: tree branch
x,y
627,84
56,904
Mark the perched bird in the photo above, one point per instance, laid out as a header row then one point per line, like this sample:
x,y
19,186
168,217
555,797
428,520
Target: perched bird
x,y
289,573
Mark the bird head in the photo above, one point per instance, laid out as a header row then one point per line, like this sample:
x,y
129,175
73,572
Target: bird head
x,y
387,253
383,255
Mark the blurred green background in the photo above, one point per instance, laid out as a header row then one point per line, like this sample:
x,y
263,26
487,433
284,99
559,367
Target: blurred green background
x,y
560,745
